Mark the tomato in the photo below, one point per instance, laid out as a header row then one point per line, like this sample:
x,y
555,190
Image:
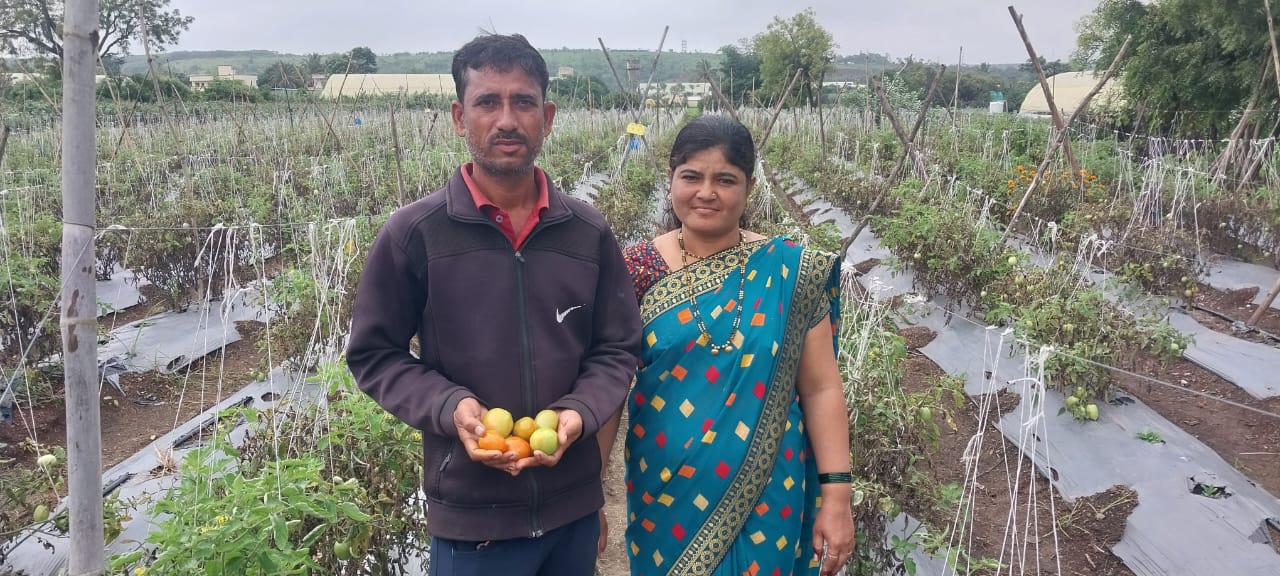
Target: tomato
x,y
524,427
519,446
544,440
498,420
492,441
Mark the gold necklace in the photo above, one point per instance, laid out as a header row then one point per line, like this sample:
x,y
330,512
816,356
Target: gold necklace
x,y
693,301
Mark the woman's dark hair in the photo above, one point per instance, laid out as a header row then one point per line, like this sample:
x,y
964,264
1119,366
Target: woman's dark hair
x,y
705,133
501,53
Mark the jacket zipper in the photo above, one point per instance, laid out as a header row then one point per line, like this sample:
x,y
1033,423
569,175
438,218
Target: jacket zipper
x,y
526,375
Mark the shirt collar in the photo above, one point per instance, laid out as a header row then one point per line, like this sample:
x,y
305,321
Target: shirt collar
x,y
483,201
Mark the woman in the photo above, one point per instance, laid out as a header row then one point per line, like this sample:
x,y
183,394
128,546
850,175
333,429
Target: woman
x,y
738,448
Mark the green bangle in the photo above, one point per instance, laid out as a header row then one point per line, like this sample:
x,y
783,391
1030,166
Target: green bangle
x,y
835,478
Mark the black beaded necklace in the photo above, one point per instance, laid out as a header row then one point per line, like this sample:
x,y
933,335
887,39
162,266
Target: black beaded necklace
x,y
716,349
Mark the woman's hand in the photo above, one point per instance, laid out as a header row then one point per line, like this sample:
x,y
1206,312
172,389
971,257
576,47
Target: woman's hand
x,y
833,526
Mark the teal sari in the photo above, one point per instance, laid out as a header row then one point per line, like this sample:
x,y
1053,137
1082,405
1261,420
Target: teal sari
x,y
720,475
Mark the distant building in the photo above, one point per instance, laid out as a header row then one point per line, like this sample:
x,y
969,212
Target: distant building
x,y
381,84
564,72
317,82
688,94
225,72
1069,89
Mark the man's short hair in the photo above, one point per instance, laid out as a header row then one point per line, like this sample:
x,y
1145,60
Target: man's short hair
x,y
501,53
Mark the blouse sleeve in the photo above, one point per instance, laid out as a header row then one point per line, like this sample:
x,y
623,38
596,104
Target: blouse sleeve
x,y
823,281
646,266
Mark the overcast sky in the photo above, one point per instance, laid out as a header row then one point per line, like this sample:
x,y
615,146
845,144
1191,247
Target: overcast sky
x,y
928,29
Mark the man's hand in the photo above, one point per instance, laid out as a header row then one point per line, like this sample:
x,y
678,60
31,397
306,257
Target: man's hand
x,y
568,432
467,419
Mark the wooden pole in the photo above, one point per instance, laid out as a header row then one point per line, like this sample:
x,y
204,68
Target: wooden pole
x,y
1265,305
725,102
1062,136
777,109
1271,36
4,141
395,145
955,96
79,322
1048,95
897,169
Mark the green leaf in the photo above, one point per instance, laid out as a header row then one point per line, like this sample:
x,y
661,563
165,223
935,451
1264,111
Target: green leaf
x,y
353,512
281,532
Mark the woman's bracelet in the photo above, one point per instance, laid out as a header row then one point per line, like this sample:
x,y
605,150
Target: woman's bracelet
x,y
835,478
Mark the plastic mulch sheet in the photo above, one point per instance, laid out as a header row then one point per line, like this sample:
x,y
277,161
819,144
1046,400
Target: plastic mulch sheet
x,y
1254,367
168,342
1176,529
1228,274
142,475
119,293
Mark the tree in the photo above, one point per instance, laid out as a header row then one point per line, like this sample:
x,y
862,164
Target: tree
x,y
359,60
1192,66
1050,68
796,44
740,72
34,27
281,74
314,64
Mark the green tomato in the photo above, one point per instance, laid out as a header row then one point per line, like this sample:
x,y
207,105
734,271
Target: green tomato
x,y
1072,401
926,414
41,513
342,550
1091,411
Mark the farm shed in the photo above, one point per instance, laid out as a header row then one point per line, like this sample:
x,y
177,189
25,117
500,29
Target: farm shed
x,y
1069,89
379,84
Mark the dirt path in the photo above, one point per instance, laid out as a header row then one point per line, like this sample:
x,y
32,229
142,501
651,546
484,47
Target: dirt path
x,y
614,561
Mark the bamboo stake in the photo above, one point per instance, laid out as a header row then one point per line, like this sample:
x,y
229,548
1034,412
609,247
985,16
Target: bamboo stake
x,y
955,96
822,128
1265,305
1271,36
897,169
1062,135
79,291
777,108
728,105
395,144
4,142
1048,95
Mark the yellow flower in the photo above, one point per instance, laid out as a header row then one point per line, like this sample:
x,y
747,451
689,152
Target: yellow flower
x,y
1012,184
222,519
139,571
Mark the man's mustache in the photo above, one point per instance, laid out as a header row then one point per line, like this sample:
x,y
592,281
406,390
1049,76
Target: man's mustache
x,y
509,136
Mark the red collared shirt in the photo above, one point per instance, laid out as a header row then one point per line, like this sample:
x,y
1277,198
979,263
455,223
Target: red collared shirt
x,y
500,216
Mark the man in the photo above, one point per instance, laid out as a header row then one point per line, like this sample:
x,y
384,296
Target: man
x,y
520,299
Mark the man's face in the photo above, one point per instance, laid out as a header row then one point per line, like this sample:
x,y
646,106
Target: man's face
x,y
504,119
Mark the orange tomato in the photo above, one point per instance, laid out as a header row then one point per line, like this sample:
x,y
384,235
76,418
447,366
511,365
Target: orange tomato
x,y
519,446
492,440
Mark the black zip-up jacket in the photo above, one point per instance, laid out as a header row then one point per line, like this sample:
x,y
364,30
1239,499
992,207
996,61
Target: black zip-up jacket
x,y
554,325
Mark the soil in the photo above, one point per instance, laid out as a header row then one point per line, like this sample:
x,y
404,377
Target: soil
x,y
1087,528
1250,441
1216,309
614,561
154,403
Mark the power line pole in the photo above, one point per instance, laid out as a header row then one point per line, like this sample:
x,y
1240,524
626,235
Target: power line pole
x,y
79,301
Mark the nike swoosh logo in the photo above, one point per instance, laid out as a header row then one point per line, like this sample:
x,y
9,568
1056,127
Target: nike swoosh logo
x,y
560,315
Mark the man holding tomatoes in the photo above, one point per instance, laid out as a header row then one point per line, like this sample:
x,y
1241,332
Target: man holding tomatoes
x,y
521,302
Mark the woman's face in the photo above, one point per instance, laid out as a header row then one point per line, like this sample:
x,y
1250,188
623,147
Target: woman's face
x,y
708,194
